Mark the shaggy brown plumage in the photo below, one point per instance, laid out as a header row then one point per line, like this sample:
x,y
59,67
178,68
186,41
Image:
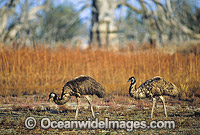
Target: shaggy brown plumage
x,y
152,88
81,86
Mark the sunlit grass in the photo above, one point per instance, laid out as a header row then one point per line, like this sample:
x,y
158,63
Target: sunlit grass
x,y
31,71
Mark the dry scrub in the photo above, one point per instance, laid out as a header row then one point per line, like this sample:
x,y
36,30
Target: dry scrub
x,y
32,71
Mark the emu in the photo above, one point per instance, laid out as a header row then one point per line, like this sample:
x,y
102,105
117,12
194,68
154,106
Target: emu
x,y
153,88
81,86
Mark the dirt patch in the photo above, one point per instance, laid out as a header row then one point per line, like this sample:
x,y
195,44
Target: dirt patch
x,y
13,115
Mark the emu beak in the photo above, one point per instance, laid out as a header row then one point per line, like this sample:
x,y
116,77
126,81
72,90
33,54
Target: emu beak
x,y
128,80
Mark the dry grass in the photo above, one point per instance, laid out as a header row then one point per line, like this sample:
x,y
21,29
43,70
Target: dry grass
x,y
31,71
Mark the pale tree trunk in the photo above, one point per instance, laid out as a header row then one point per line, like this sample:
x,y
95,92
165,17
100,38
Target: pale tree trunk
x,y
5,13
103,30
21,22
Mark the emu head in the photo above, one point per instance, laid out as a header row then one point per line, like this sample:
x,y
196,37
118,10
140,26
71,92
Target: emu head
x,y
132,80
132,88
52,95
133,92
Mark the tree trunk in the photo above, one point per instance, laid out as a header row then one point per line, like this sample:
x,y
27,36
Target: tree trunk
x,y
103,30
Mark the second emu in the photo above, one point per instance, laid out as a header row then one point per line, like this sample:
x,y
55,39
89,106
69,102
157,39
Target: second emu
x,y
81,86
152,88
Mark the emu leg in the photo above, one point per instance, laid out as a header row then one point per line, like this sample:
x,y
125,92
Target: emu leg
x,y
90,103
77,108
163,100
154,102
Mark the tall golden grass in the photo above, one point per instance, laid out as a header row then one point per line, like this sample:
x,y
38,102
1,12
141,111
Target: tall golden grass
x,y
32,71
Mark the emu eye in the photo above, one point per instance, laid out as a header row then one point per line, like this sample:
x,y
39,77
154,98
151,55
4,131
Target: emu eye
x,y
52,95
133,79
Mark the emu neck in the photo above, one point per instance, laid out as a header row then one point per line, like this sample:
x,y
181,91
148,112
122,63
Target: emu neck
x,y
132,87
62,100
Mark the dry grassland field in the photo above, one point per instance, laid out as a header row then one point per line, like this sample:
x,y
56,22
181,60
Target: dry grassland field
x,y
28,75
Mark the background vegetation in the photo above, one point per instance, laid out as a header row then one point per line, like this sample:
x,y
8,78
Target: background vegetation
x,y
136,21
39,71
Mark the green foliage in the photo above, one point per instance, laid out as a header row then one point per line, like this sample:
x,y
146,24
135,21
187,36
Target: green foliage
x,y
188,13
60,23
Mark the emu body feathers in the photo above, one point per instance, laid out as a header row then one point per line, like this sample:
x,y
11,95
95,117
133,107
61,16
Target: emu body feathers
x,y
152,88
81,86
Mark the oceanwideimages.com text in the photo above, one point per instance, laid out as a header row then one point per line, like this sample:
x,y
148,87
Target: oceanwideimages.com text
x,y
129,125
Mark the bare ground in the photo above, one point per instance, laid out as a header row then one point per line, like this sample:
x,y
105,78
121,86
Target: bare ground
x,y
15,110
